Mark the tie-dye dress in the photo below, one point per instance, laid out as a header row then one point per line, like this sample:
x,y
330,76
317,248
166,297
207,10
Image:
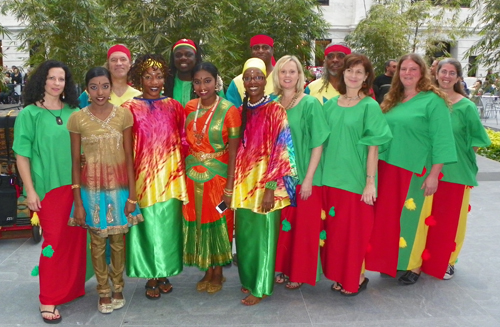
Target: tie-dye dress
x,y
154,249
266,155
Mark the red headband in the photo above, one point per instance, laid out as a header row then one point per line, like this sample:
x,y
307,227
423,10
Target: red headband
x,y
337,48
185,43
261,39
119,48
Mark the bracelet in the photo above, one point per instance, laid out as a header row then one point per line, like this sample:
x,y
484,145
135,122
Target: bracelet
x,y
75,186
368,176
272,185
131,201
230,176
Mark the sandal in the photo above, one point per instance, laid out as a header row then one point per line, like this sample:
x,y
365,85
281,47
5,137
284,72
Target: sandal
x,y
165,283
104,307
51,321
152,289
280,278
336,287
202,286
214,288
361,288
256,300
293,286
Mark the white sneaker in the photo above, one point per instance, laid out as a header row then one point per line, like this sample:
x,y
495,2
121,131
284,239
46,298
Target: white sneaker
x,y
450,272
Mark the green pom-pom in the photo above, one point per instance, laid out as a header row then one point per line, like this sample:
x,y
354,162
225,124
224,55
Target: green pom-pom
x,y
332,212
322,235
48,251
285,225
34,272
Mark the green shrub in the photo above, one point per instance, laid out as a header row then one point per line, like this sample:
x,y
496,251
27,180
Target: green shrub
x,y
493,151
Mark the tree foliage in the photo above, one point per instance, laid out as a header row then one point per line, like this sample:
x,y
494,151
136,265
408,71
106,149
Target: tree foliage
x,y
396,27
487,49
79,32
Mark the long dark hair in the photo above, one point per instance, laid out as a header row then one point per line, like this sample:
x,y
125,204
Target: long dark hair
x,y
172,71
458,86
96,72
34,91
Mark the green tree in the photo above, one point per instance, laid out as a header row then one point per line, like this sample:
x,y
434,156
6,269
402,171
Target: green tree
x,y
395,27
487,49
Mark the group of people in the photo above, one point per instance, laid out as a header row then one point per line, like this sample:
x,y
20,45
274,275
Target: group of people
x,y
315,180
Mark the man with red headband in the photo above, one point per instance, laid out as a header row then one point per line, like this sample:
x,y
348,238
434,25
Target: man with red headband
x,y
326,87
118,64
262,47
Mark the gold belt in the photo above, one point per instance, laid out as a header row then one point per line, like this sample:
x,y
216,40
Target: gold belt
x,y
202,156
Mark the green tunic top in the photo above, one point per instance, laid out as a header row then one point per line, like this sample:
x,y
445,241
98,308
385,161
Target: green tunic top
x,y
38,137
309,130
352,130
422,133
469,132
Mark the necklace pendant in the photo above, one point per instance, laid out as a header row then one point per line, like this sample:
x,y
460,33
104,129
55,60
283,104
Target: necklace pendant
x,y
199,138
59,121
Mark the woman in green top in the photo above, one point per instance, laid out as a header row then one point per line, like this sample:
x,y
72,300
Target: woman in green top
x,y
43,152
419,118
451,201
357,131
298,243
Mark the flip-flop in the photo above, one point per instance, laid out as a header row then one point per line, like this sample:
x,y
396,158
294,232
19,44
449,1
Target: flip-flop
x,y
361,288
336,287
165,283
50,321
289,286
280,278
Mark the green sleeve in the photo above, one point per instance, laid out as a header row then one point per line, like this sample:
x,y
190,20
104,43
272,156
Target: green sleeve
x,y
316,121
479,137
376,131
24,133
440,131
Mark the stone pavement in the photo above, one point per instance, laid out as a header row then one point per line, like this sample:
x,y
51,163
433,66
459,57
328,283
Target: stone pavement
x,y
471,298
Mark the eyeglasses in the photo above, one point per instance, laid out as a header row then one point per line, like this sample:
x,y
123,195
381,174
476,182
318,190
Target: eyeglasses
x,y
255,78
449,73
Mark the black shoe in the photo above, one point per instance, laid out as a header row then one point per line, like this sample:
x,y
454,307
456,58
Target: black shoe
x,y
450,272
409,278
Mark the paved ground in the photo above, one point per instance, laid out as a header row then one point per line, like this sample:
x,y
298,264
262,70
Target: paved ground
x,y
469,299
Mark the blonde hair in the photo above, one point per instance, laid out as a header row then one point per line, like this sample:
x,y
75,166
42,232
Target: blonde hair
x,y
278,90
396,92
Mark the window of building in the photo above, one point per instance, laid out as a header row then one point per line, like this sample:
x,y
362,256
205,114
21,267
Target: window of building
x,y
324,2
319,50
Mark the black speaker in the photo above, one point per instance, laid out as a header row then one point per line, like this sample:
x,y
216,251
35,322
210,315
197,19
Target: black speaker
x,y
8,201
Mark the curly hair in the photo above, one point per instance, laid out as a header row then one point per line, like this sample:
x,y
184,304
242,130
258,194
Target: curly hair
x,y
34,91
396,92
458,86
358,59
138,68
172,71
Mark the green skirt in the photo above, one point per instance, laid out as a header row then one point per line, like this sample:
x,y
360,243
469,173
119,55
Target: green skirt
x,y
154,247
256,243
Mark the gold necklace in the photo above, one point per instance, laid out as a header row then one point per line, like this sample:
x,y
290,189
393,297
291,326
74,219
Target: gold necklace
x,y
349,99
291,104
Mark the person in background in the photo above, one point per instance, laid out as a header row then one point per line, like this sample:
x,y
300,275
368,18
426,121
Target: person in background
x,y
382,83
326,87
450,205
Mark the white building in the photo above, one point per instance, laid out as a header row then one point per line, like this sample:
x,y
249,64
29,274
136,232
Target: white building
x,y
11,55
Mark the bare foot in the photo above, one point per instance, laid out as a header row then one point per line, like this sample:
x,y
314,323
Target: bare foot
x,y
152,290
252,300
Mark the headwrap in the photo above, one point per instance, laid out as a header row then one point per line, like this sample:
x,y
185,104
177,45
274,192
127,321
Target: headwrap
x,y
119,48
185,43
255,63
263,39
337,48
151,63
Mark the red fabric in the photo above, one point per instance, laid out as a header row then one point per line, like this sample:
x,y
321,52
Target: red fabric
x,y
261,39
446,208
297,252
337,48
119,48
62,277
186,43
347,236
393,185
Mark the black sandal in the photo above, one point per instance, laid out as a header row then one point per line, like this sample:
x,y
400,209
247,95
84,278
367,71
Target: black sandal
x,y
361,288
152,288
50,321
165,283
336,287
280,278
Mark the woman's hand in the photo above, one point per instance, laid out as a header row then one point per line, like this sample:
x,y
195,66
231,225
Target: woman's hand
x,y
430,185
268,200
227,200
369,194
33,201
129,208
79,215
306,189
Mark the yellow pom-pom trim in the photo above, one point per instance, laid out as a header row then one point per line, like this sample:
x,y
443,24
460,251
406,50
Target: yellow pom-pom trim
x,y
402,243
321,243
410,204
35,221
323,214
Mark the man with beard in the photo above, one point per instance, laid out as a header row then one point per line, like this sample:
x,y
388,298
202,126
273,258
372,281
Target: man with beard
x,y
262,47
326,87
